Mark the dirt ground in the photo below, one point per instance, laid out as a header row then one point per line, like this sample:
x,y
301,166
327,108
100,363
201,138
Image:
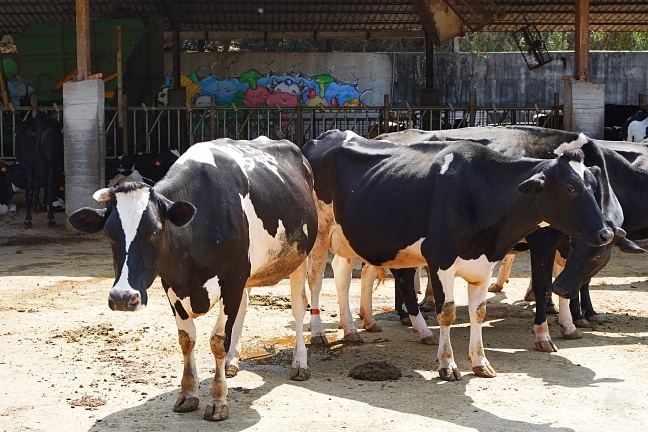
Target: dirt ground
x,y
68,363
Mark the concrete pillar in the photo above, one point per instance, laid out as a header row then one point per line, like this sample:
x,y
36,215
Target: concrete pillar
x,y
584,109
85,142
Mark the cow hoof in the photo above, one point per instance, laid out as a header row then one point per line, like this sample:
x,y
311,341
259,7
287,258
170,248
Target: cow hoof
x,y
406,321
231,371
430,340
552,310
582,323
486,371
28,224
352,336
186,404
529,296
597,319
576,334
299,374
216,413
495,288
373,328
545,346
427,306
51,223
447,374
319,339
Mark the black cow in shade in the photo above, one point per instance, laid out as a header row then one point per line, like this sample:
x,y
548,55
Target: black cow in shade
x,y
229,215
39,153
457,208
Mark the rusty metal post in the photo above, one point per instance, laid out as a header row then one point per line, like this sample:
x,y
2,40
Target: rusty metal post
x,y
555,123
122,118
212,118
581,41
83,38
472,109
299,127
175,48
385,114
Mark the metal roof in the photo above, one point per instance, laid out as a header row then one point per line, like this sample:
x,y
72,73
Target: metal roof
x,y
336,18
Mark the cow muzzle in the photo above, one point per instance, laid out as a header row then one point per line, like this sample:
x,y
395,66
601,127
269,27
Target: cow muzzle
x,y
604,236
125,301
565,291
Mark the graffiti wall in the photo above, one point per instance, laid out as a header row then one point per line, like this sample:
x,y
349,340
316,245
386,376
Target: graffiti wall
x,y
281,79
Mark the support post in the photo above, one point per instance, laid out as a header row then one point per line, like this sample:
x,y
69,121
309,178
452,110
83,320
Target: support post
x,y
581,41
83,38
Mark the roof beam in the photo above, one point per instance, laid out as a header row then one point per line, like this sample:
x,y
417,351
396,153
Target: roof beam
x,y
380,34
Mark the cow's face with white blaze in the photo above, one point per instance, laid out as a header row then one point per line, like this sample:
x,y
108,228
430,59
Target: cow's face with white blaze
x,y
563,192
136,222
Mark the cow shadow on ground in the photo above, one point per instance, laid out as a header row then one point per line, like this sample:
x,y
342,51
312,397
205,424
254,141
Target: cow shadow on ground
x,y
422,400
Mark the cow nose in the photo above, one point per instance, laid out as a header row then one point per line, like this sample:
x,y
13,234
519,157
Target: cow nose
x,y
123,302
606,236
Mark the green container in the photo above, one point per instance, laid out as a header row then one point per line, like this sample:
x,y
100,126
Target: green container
x,y
48,53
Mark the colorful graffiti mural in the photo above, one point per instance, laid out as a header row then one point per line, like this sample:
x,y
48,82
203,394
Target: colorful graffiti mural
x,y
253,89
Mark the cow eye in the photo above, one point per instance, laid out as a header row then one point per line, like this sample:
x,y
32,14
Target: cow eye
x,y
571,189
157,232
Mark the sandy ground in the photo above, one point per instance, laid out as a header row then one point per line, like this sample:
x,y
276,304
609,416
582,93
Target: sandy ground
x,y
68,363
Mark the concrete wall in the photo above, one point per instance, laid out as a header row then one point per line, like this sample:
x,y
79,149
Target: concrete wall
x,y
499,78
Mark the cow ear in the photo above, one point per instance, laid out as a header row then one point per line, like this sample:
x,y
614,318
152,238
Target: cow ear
x,y
532,186
180,212
596,171
88,220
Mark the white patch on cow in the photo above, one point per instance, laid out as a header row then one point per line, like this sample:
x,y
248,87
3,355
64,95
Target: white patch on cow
x,y
213,292
410,256
579,167
262,245
446,163
14,187
543,224
350,136
637,130
576,144
59,204
134,176
200,152
248,157
305,229
7,208
130,207
175,152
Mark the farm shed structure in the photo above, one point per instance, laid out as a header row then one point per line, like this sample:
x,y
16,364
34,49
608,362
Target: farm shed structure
x,y
434,20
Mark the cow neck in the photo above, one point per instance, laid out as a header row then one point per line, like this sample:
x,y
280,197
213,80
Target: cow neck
x,y
630,185
523,216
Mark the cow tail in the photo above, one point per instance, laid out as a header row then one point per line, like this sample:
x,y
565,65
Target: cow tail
x,y
381,276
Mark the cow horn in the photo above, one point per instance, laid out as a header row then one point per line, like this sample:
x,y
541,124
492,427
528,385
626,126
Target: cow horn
x,y
101,195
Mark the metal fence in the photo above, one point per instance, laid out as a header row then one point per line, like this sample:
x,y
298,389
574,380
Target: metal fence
x,y
155,129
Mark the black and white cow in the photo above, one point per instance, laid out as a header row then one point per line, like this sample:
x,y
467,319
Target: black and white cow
x,y
635,128
456,208
7,189
229,215
39,151
520,141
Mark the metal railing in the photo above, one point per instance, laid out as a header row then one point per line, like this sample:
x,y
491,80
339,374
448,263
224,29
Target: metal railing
x,y
155,129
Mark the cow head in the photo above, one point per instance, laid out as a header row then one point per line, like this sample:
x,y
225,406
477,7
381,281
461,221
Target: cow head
x,y
564,196
136,223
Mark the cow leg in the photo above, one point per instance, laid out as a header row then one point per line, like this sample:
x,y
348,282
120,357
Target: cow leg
x,y
317,265
342,272
48,199
565,321
587,307
577,314
427,304
542,244
477,311
443,284
217,408
299,369
29,196
404,280
188,398
367,278
234,352
503,274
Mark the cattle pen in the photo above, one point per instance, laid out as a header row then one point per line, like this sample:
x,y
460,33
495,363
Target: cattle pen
x,y
69,363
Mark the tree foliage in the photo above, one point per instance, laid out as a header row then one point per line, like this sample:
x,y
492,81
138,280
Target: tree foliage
x,y
471,42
